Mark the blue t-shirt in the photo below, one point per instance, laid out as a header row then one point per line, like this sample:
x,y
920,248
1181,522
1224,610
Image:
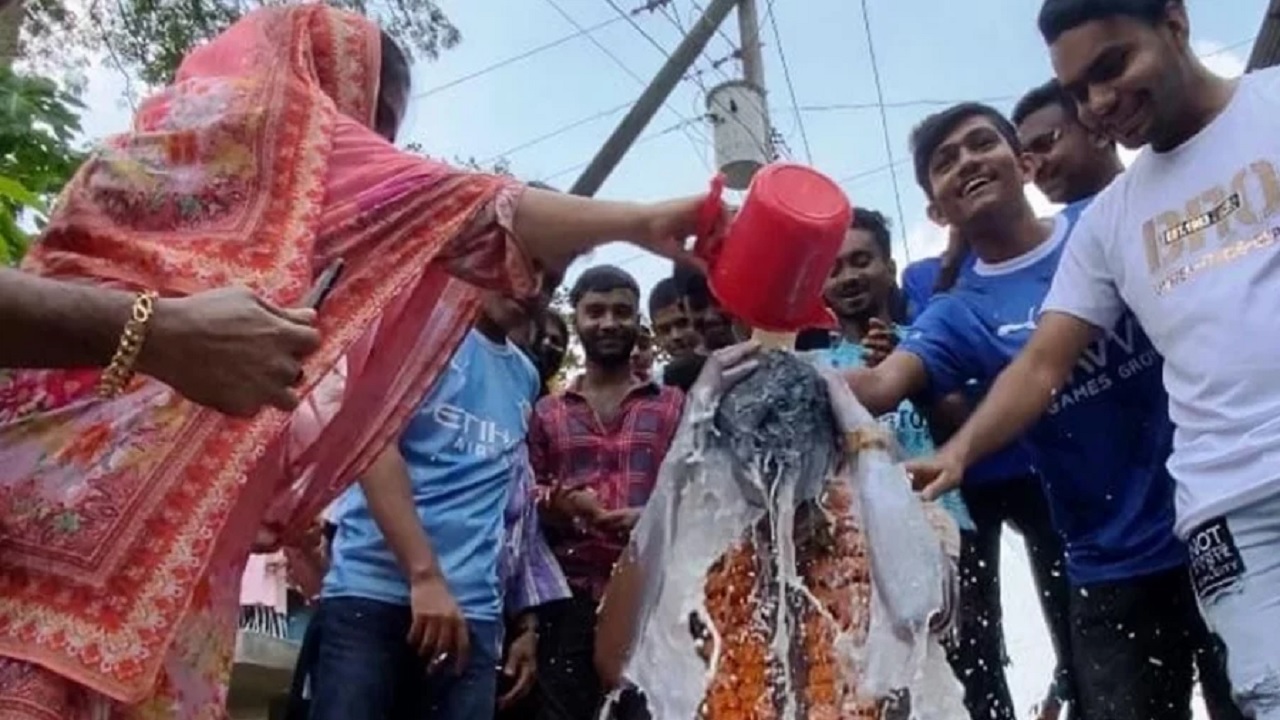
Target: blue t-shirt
x,y
459,447
1102,446
921,277
918,282
906,423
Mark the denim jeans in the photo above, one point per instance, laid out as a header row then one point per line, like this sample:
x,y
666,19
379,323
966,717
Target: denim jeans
x,y
1235,567
365,670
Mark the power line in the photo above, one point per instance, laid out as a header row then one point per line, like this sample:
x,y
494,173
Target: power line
x,y
560,131
884,126
791,89
626,68
900,104
517,58
643,139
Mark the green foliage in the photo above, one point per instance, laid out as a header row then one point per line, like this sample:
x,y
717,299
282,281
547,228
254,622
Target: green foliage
x,y
38,126
150,37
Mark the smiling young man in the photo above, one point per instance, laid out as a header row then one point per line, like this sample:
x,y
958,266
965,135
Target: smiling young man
x,y
595,449
673,327
1186,238
1101,449
967,161
1069,163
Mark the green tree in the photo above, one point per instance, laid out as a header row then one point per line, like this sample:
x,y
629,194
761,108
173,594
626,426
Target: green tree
x,y
39,123
147,39
151,36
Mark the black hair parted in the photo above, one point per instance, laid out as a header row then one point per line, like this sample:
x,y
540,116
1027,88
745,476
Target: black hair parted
x,y
665,293
933,131
1042,96
1059,16
874,222
602,279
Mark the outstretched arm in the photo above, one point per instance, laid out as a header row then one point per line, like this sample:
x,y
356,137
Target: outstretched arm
x,y
882,388
1020,395
56,324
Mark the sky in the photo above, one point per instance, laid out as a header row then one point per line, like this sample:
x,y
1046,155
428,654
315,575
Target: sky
x,y
549,112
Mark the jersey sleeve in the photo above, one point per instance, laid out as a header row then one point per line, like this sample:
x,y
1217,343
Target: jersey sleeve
x,y
940,339
1084,286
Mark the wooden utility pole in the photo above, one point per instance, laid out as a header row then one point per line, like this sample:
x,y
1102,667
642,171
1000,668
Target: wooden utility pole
x,y
613,150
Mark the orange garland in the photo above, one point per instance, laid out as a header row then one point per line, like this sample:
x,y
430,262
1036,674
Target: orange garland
x,y
832,562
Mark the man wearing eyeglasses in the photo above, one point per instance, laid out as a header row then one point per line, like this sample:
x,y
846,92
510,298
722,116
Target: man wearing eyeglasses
x,y
1067,162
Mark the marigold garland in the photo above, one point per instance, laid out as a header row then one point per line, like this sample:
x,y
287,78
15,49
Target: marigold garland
x,y
832,561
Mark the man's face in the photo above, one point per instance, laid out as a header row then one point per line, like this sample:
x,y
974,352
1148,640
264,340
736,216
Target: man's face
x,y
552,347
714,326
642,355
673,330
607,325
512,315
861,279
1125,75
974,172
1061,153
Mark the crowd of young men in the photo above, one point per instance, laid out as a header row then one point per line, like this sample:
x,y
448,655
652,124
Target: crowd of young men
x,y
1119,356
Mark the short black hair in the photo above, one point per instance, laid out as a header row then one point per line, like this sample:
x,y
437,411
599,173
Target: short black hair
x,y
933,130
692,285
1040,97
665,293
877,224
393,72
602,279
1059,16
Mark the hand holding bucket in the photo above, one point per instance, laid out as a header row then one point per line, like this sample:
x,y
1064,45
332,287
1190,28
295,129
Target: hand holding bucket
x,y
769,265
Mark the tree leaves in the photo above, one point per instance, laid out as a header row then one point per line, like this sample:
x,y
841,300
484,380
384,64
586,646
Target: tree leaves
x,y
150,37
39,123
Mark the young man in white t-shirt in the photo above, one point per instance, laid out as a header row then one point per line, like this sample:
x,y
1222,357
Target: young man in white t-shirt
x,y
1189,239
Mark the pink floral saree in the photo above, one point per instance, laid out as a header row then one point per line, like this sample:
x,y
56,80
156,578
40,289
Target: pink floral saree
x,y
125,524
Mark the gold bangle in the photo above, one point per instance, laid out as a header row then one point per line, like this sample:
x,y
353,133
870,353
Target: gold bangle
x,y
123,364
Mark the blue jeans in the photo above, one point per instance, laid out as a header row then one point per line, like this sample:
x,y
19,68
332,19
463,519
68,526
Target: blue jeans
x,y
365,670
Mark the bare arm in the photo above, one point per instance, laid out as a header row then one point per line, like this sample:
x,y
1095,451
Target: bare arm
x,y
55,324
387,489
1025,389
615,622
558,227
882,388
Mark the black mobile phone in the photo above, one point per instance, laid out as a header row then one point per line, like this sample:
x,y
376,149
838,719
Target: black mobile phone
x,y
324,284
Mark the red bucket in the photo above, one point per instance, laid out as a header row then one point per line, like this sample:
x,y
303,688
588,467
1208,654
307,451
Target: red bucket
x,y
770,267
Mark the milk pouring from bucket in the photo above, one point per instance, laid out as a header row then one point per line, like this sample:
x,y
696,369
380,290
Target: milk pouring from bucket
x,y
777,252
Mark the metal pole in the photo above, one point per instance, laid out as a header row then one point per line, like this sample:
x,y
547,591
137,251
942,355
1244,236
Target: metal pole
x,y
613,150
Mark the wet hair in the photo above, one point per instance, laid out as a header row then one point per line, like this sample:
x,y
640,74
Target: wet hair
x,y
602,279
1059,16
1040,97
664,294
933,131
394,72
877,224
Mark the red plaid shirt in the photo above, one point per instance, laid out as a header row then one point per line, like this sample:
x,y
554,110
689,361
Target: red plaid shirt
x,y
569,445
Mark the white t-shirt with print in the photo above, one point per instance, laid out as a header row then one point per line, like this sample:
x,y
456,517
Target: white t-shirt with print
x,y
1190,240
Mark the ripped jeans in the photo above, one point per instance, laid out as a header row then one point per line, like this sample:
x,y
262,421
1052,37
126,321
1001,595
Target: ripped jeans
x,y
1235,569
